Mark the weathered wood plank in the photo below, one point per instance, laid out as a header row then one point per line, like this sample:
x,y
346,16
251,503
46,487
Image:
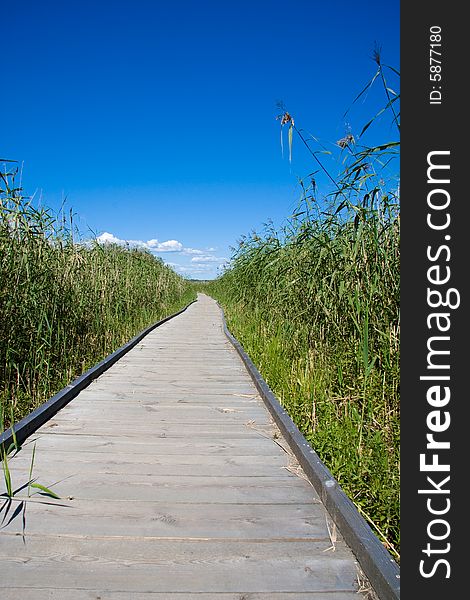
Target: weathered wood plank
x,y
177,413
157,429
100,594
115,518
171,396
173,566
178,387
177,489
156,445
210,465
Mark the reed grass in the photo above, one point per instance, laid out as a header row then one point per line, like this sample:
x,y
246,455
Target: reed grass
x,y
66,304
318,312
315,304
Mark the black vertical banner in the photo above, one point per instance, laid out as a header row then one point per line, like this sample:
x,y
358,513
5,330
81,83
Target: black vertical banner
x,y
435,446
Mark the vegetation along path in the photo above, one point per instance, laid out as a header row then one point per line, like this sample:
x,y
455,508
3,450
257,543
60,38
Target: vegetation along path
x,y
174,483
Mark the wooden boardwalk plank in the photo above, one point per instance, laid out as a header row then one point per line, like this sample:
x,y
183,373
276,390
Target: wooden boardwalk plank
x,y
211,465
117,518
174,483
157,445
100,594
144,565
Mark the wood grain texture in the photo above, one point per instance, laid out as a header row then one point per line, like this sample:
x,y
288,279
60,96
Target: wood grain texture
x,y
174,483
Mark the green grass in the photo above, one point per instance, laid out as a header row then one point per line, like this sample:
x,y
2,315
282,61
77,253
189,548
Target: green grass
x,y
65,305
316,306
319,315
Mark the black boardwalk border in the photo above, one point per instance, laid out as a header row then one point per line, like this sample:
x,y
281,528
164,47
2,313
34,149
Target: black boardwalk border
x,y
379,567
24,428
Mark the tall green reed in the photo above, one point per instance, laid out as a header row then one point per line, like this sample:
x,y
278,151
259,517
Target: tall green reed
x,y
316,305
66,304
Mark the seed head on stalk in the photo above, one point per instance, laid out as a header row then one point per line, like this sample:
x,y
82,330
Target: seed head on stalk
x,y
286,118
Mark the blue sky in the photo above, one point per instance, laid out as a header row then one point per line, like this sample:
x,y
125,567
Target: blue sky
x,y
157,120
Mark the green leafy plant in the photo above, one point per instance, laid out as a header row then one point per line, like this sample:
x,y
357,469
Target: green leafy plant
x,y
316,305
67,303
12,494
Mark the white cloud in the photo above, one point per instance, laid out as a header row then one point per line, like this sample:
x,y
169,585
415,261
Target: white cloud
x,y
208,259
191,269
168,246
108,238
192,262
154,245
192,251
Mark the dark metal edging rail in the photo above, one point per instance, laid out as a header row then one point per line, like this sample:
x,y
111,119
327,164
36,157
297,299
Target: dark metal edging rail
x,y
378,566
24,428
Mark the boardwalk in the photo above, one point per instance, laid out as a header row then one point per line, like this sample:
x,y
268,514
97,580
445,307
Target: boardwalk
x,y
174,484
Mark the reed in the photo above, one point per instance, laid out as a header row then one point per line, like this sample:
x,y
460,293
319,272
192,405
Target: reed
x,y
66,304
315,304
